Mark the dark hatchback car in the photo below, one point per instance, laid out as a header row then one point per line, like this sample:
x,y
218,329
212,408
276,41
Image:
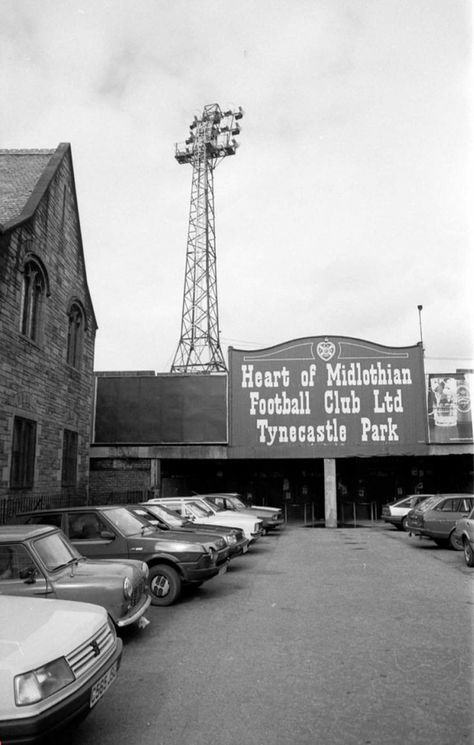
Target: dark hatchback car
x,y
436,518
111,531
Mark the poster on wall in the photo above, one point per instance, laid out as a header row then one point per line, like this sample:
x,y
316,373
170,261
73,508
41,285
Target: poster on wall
x,y
326,397
449,407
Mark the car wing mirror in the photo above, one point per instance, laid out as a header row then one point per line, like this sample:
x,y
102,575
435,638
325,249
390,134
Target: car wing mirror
x,y
107,534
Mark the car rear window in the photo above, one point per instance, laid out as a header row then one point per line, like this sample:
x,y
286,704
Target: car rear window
x,y
427,504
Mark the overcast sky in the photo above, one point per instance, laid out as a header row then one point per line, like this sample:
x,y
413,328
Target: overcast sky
x,y
346,205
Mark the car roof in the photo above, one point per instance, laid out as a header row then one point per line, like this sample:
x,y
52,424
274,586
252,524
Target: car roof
x,y
75,508
20,532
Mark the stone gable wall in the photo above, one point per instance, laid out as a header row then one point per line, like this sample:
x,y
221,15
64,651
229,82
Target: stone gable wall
x,y
35,380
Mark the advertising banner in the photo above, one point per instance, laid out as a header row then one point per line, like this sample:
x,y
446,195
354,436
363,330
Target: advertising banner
x,y
326,397
449,407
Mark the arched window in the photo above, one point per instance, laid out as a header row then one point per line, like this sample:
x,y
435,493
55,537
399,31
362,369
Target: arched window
x,y
75,334
33,294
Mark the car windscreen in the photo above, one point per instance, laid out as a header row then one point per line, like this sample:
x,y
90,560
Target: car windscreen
x,y
201,510
125,522
168,516
55,551
236,503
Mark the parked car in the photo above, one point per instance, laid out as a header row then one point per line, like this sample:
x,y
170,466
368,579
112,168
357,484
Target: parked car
x,y
271,517
464,535
39,560
198,508
211,541
436,517
57,660
111,531
396,512
166,518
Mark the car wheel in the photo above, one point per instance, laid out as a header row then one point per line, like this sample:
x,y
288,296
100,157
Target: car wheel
x,y
468,553
403,525
455,542
165,584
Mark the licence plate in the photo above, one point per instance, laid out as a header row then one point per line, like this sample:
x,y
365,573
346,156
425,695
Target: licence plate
x,y
100,687
223,569
245,549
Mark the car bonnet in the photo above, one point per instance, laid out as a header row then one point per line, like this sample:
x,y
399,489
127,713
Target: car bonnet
x,y
34,631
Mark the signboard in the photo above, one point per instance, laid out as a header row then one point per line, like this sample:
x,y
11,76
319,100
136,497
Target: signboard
x,y
449,407
326,397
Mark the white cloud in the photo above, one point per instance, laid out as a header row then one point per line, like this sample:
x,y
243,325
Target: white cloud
x,y
343,209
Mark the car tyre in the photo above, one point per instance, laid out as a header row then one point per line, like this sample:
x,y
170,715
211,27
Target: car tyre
x,y
403,525
455,542
468,553
165,584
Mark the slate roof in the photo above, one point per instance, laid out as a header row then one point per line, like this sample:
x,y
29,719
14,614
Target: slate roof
x,y
20,172
24,178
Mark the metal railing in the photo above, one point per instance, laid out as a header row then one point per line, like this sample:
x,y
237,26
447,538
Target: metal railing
x,y
13,504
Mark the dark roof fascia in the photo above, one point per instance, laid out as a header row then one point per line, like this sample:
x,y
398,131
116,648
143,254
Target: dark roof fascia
x,y
39,190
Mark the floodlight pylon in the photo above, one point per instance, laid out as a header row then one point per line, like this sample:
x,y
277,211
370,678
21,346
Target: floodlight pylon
x,y
212,138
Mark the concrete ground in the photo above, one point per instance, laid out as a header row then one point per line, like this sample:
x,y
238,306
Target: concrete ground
x,y
348,636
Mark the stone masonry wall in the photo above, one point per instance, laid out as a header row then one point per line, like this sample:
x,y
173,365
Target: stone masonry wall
x,y
35,380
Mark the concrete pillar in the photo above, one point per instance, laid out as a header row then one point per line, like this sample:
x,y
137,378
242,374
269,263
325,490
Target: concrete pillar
x,y
330,493
155,476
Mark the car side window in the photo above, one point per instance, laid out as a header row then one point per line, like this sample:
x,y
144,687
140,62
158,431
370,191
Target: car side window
x,y
85,526
219,502
446,506
14,558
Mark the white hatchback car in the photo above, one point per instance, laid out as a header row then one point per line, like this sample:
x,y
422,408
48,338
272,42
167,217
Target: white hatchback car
x,y
396,512
199,510
57,660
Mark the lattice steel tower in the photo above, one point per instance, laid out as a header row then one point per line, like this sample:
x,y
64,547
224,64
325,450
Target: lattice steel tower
x,y
212,138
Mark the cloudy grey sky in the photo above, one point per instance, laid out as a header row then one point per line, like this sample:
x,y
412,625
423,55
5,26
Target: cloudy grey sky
x,y
346,205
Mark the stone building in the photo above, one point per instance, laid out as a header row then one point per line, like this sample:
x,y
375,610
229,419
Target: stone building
x,y
47,329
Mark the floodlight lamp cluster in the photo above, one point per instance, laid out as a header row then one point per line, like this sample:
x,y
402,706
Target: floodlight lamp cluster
x,y
211,136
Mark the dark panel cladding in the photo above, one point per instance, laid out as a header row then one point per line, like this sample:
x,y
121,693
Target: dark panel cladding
x,y
164,409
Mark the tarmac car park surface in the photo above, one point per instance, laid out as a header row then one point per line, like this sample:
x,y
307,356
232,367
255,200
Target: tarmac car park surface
x,y
316,636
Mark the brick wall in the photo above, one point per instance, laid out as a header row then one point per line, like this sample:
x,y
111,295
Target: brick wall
x,y
119,475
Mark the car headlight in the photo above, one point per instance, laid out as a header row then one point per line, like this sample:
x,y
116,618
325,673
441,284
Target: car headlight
x,y
43,682
127,588
231,539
